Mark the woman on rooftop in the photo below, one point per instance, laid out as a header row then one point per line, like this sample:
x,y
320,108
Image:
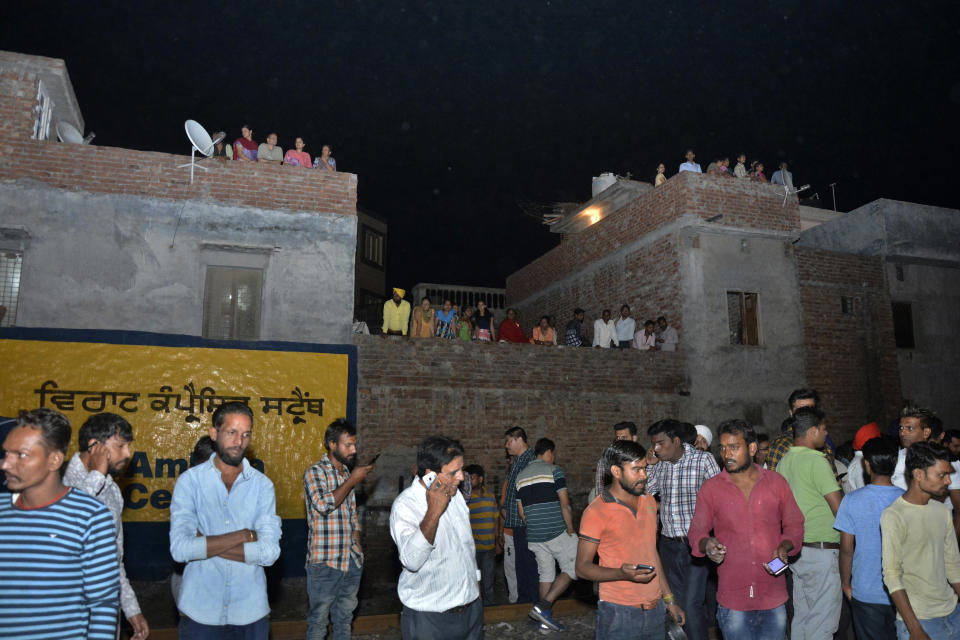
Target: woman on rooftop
x,y
297,157
446,321
244,148
424,321
661,175
484,331
325,160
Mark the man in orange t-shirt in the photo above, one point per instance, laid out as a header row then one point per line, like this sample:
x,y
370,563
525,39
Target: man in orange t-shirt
x,y
621,526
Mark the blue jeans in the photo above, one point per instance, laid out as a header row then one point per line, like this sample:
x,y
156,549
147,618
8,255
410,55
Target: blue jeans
x,y
620,622
874,621
688,579
945,628
331,592
192,630
768,624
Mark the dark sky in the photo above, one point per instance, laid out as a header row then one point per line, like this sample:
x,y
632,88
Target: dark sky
x,y
454,113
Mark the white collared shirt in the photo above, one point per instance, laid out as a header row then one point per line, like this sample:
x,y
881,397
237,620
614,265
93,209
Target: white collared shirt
x,y
690,166
604,333
439,576
668,339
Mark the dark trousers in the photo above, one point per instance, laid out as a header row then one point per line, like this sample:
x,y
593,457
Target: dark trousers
x,y
486,562
528,574
193,630
688,579
873,621
465,623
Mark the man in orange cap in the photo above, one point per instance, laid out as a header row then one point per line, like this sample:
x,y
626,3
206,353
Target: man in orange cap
x,y
854,478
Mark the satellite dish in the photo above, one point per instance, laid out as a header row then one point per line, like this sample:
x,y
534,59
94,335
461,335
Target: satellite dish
x,y
68,133
201,142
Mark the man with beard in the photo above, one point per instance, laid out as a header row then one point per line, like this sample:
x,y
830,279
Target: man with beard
x,y
224,525
921,562
334,554
754,518
58,554
104,451
620,526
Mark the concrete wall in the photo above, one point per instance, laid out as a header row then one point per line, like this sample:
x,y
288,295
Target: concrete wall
x,y
96,261
735,380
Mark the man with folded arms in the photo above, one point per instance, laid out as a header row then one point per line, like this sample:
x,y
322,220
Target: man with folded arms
x,y
754,518
817,598
921,562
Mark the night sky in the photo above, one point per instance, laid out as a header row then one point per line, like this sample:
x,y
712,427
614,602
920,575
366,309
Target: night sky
x,y
458,115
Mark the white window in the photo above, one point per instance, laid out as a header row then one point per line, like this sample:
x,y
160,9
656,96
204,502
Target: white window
x,y
41,126
11,263
231,303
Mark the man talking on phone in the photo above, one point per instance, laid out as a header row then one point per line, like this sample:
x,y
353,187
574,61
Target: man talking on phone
x,y
430,524
756,524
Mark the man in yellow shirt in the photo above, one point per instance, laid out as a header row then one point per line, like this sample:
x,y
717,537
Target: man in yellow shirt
x,y
396,314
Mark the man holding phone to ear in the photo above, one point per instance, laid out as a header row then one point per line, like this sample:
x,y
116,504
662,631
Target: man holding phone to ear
x,y
430,524
756,524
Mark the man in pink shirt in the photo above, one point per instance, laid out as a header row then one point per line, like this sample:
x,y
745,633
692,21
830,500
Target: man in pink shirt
x,y
755,522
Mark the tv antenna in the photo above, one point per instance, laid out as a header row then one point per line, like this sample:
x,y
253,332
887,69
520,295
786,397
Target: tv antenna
x,y
200,141
787,192
833,192
68,133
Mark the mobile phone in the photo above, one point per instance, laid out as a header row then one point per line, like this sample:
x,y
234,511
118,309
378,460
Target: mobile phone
x,y
776,566
374,459
428,478
645,567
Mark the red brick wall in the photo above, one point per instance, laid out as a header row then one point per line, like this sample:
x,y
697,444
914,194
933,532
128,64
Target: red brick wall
x,y
850,359
408,390
18,99
145,173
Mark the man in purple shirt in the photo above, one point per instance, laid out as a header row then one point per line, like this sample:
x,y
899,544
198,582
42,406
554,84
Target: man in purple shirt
x,y
755,521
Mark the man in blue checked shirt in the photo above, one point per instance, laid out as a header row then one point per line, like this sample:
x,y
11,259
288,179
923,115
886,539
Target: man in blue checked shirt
x,y
224,525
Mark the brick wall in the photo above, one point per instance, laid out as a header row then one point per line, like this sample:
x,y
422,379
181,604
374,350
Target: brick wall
x,y
408,390
18,98
111,170
850,359
742,204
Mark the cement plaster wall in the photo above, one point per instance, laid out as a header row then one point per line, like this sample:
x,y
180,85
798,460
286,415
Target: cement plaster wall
x,y
110,262
739,381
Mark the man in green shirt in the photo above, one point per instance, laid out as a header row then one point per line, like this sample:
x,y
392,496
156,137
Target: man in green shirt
x,y
817,597
921,561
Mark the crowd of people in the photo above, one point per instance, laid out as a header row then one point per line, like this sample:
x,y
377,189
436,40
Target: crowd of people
x,y
721,167
246,149
450,322
786,544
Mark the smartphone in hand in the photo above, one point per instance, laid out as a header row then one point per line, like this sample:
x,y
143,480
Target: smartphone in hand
x,y
776,566
645,567
428,478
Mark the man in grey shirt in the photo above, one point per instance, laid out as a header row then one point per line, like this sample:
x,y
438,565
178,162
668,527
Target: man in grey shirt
x,y
104,450
782,177
269,151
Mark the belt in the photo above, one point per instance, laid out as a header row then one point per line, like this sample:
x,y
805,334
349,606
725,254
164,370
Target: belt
x,y
682,539
822,545
462,607
648,606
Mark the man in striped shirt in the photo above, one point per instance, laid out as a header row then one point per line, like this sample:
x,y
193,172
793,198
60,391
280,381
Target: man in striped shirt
x,y
334,557
58,555
544,505
483,522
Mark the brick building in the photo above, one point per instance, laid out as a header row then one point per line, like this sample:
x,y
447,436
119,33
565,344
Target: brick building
x,y
757,315
98,237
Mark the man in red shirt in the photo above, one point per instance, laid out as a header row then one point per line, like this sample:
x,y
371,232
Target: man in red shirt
x,y
620,526
755,521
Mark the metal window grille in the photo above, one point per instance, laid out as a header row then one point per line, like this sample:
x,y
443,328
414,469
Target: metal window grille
x,y
11,264
41,126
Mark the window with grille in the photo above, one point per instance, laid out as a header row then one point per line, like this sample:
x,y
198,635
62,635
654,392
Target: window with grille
x,y
743,317
372,246
41,126
231,303
11,263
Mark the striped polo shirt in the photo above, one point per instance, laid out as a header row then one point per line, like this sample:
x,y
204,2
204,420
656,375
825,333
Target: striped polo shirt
x,y
61,577
483,519
537,488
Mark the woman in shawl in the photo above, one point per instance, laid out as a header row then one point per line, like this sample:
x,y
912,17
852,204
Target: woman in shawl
x,y
244,148
510,330
298,158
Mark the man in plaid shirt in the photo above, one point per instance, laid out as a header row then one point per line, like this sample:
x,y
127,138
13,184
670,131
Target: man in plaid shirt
x,y
676,471
334,555
782,443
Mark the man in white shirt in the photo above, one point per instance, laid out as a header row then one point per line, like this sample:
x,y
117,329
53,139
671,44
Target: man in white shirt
x,y
430,524
667,338
626,326
690,165
782,177
604,331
